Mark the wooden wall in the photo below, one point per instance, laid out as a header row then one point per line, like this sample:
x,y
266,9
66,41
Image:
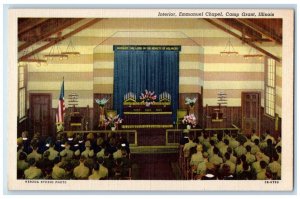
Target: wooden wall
x,y
22,126
269,123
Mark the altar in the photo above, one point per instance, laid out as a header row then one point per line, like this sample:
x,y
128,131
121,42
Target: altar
x,y
138,115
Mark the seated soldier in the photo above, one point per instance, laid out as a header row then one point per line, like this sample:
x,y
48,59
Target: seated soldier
x,y
87,150
256,165
216,159
240,150
33,172
248,142
109,163
210,151
22,165
202,166
197,157
233,143
45,164
118,153
220,142
224,148
270,149
254,136
278,150
255,148
250,158
103,171
233,158
81,171
239,167
52,152
275,167
188,146
58,173
269,136
34,154
67,152
101,152
261,175
95,173
229,163
206,141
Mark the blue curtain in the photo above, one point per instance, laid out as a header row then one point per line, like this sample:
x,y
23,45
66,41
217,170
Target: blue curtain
x,y
137,70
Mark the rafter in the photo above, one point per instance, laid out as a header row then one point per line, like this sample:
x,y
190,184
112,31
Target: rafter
x,y
259,29
242,39
88,24
27,26
242,28
48,33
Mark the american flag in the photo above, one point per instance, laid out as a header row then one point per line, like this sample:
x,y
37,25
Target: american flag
x,y
61,105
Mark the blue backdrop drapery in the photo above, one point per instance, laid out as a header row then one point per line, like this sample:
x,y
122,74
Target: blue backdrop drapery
x,y
136,70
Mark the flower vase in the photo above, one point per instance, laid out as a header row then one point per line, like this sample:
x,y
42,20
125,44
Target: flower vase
x,y
147,104
102,116
191,109
113,128
188,127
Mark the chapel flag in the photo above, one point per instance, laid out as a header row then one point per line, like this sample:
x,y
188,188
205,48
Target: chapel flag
x,y
61,105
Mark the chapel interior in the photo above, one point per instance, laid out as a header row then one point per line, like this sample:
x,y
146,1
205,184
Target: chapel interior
x,y
149,98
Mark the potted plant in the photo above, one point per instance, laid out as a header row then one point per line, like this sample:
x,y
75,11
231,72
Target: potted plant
x,y
190,121
113,122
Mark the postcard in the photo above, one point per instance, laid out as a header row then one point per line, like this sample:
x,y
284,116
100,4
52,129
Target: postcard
x,y
151,99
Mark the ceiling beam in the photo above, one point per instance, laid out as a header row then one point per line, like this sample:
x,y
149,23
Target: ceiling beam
x,y
258,40
242,39
48,33
28,25
242,28
88,24
261,30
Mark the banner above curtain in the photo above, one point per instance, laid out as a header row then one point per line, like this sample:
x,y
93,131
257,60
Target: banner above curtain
x,y
151,69
143,48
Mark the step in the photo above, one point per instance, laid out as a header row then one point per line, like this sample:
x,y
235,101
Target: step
x,y
153,149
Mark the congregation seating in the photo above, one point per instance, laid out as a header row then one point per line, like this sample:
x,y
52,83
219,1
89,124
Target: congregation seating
x,y
75,156
218,156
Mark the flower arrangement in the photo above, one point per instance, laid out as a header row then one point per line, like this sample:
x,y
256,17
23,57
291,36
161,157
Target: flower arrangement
x,y
101,102
148,96
113,121
190,101
189,120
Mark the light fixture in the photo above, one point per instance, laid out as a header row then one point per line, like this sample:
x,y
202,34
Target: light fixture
x,y
55,52
229,49
71,49
35,58
253,54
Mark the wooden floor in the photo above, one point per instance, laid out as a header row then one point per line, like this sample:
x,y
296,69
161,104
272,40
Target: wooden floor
x,y
155,167
152,137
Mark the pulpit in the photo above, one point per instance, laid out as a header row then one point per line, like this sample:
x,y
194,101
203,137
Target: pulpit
x,y
75,121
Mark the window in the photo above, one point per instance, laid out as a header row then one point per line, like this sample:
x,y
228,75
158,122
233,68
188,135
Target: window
x,y
22,92
270,90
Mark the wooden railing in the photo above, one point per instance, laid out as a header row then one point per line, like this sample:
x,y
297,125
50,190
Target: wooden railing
x,y
173,136
131,135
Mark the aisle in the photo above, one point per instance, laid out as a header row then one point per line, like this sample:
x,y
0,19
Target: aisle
x,y
154,167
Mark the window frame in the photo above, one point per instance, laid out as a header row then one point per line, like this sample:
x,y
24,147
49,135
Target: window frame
x,y
269,109
24,89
